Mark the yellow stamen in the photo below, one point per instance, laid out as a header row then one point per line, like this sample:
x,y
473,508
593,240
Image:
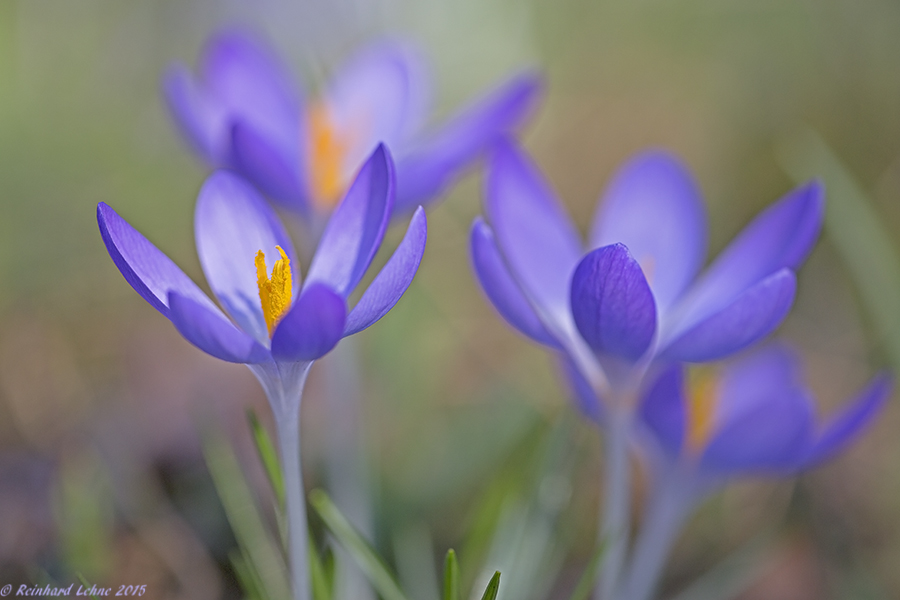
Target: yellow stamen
x,y
327,150
275,293
703,400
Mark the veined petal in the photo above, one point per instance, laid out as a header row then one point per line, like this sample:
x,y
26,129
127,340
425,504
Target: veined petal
x,y
232,223
313,326
426,170
654,207
751,316
780,237
663,410
540,244
356,228
382,95
211,332
151,273
612,303
770,438
850,422
503,292
277,172
393,280
586,399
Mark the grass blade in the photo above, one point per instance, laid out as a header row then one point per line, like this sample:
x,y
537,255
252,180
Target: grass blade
x,y
268,455
366,557
589,577
493,587
451,576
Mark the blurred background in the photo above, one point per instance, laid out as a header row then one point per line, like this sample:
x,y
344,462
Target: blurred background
x,y
469,430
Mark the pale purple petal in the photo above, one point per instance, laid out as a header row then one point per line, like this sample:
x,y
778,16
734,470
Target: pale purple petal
x,y
151,273
586,398
750,317
540,244
210,331
780,237
427,169
393,279
356,227
612,303
850,422
279,174
312,327
232,223
202,119
503,292
654,207
663,410
756,378
382,95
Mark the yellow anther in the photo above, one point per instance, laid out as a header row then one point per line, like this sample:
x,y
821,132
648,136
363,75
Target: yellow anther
x,y
703,400
327,151
275,293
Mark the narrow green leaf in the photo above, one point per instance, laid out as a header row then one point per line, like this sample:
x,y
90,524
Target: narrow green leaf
x,y
589,577
856,230
257,545
268,455
320,585
86,585
247,576
493,587
366,557
451,576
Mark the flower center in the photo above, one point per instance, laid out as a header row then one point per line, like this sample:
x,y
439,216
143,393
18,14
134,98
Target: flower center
x,y
703,400
327,150
275,292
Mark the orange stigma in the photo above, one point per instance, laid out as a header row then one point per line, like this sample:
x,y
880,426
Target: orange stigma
x,y
703,400
327,151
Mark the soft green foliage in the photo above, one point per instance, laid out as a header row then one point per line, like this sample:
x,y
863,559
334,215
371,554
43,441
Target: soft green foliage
x,y
493,587
268,455
451,576
585,585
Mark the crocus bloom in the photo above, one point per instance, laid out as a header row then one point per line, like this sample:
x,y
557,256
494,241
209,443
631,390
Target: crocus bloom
x,y
633,293
277,326
751,417
245,112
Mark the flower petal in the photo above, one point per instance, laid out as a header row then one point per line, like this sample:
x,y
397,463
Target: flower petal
x,y
232,223
381,95
393,280
756,378
313,326
503,292
540,244
770,438
151,273
276,172
586,399
426,170
202,120
654,207
848,424
612,303
210,331
780,237
356,228
663,410
750,317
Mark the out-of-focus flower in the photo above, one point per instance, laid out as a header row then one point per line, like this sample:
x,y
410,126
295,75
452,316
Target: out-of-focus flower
x,y
751,417
635,295
244,111
274,320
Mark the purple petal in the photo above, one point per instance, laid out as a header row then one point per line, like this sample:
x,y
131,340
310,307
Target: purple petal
x,y
210,331
540,244
654,207
425,171
202,120
381,95
151,273
586,399
749,318
780,237
278,173
356,227
848,424
503,292
312,327
231,224
756,378
663,410
770,438
391,282
612,303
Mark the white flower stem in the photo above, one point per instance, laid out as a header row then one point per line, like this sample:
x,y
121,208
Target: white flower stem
x,y
614,524
295,502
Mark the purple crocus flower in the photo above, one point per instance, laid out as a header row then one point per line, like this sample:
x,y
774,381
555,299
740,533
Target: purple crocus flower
x,y
244,111
753,417
635,292
272,323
